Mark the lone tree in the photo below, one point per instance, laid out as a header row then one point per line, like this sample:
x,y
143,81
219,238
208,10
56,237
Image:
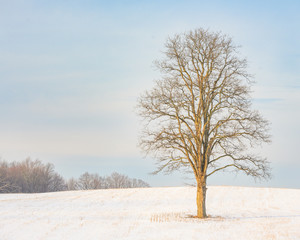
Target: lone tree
x,y
198,116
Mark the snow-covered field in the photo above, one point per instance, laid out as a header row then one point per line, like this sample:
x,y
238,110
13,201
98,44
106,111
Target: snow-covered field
x,y
152,213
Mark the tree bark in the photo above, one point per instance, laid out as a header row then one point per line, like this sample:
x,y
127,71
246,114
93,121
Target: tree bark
x,y
201,197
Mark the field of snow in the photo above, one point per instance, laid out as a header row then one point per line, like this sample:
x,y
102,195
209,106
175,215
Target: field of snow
x,y
152,213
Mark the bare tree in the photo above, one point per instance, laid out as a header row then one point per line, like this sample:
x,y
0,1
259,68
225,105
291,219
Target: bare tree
x,y
90,181
199,116
138,183
117,180
72,184
57,183
6,186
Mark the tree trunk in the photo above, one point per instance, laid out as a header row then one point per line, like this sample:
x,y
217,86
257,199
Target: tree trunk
x,y
201,196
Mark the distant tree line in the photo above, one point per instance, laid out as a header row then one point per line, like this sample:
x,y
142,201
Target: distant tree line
x,y
31,176
94,181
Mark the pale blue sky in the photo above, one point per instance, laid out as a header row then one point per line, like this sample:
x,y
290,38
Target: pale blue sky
x,y
71,71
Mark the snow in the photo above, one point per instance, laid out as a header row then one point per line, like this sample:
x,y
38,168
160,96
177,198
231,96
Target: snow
x,y
152,213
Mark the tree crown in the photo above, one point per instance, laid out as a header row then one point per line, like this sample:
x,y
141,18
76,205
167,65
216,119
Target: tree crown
x,y
199,115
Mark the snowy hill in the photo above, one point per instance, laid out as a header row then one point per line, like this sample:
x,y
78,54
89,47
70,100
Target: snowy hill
x,y
152,213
